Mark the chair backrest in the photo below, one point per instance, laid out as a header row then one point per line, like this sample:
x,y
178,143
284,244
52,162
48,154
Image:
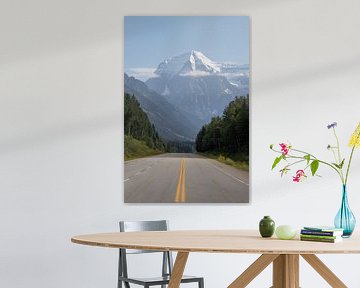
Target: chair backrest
x,y
137,226
134,226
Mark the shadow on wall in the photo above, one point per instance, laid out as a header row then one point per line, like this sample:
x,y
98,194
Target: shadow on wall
x,y
68,24
310,74
73,129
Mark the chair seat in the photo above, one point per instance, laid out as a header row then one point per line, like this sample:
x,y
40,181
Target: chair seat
x,y
158,280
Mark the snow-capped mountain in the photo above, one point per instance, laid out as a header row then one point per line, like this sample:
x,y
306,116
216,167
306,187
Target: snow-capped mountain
x,y
196,84
186,63
195,63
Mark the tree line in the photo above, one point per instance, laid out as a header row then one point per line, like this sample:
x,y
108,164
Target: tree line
x,y
138,126
228,134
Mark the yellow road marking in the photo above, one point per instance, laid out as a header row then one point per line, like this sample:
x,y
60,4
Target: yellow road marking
x,y
180,189
177,197
183,191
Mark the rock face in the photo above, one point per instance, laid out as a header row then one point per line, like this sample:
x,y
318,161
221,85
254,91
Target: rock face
x,y
170,122
201,87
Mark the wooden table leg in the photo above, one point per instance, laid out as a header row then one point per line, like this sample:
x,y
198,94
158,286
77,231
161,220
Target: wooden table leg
x,y
324,271
286,271
178,270
253,270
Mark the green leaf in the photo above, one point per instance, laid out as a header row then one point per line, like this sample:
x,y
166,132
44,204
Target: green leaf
x,y
336,165
314,166
307,157
339,166
276,161
271,146
342,163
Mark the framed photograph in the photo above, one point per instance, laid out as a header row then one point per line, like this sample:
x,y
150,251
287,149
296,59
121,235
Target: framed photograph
x,y
186,109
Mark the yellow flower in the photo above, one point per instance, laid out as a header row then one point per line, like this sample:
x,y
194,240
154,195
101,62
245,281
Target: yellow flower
x,y
355,137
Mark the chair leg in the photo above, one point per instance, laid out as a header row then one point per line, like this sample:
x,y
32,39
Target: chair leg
x,y
201,283
119,270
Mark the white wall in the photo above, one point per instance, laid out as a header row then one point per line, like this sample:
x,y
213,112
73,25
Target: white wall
x,y
61,132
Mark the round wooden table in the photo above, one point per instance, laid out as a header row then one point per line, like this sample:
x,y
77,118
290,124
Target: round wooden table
x,y
284,254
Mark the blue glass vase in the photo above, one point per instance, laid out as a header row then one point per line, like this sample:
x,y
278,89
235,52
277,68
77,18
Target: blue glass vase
x,y
345,219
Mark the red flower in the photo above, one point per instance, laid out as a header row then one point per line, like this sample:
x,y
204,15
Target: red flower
x,y
300,174
284,148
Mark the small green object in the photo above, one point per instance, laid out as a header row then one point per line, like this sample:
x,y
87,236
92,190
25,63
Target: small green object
x,y
266,227
314,166
285,232
276,161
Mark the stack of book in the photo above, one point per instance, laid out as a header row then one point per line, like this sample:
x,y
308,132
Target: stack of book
x,y
321,234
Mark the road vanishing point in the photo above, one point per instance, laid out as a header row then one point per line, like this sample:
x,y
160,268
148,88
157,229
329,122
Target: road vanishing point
x,y
184,178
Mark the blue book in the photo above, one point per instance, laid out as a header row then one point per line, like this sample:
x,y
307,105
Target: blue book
x,y
322,231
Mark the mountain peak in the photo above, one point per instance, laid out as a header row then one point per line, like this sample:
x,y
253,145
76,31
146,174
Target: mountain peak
x,y
187,64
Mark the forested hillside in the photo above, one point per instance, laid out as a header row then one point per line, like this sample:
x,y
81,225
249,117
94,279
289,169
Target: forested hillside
x,y
228,134
171,123
137,126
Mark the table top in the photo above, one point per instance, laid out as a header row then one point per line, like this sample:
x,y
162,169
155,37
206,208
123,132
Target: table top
x,y
216,241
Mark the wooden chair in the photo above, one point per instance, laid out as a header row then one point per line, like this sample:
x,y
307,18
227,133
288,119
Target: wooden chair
x,y
167,262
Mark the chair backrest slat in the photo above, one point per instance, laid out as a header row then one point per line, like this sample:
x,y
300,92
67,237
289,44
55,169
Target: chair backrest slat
x,y
134,226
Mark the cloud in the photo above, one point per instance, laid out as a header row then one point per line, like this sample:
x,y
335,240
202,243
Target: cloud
x,y
196,73
204,73
142,73
234,75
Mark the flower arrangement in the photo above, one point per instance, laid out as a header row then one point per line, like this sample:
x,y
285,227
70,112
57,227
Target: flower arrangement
x,y
293,156
344,219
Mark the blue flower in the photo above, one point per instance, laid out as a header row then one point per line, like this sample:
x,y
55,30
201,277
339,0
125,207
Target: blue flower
x,y
332,125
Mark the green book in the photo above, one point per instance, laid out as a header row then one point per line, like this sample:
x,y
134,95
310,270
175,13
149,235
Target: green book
x,y
325,240
319,236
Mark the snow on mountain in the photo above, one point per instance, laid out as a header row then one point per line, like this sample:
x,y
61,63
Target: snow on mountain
x,y
186,64
198,85
195,63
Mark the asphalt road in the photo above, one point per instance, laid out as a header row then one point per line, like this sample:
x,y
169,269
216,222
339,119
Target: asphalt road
x,y
184,178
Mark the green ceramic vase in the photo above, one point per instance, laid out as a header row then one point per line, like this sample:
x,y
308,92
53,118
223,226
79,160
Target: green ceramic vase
x,y
266,227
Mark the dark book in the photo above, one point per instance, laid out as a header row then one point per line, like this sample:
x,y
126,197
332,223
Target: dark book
x,y
321,233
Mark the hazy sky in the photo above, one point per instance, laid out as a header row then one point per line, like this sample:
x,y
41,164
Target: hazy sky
x,y
151,39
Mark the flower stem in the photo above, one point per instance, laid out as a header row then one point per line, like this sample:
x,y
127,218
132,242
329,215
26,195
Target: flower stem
x,y
320,161
348,168
333,152
311,159
338,145
296,162
304,152
339,156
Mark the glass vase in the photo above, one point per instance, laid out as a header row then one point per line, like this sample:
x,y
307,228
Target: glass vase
x,y
345,219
